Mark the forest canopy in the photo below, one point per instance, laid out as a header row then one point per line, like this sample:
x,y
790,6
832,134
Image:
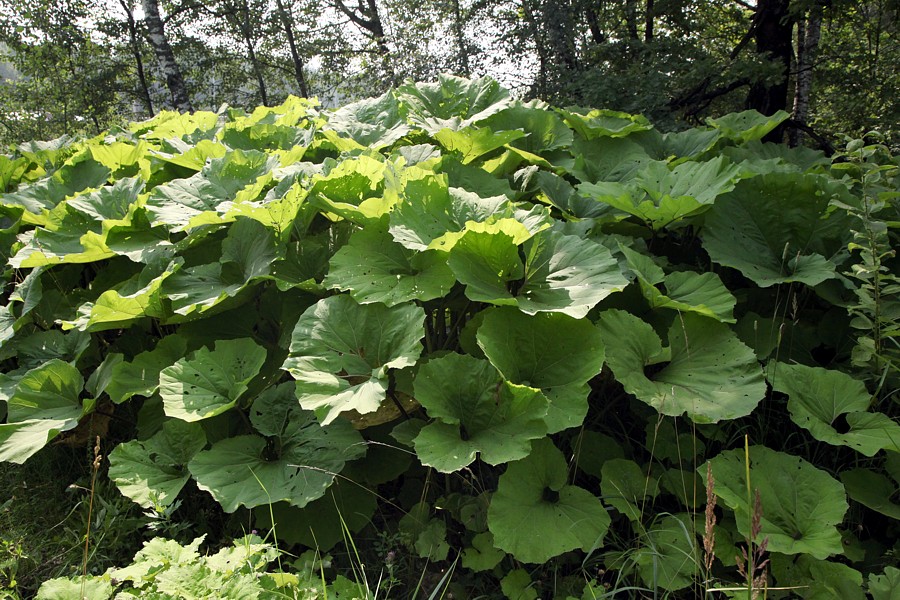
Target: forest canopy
x,y
81,66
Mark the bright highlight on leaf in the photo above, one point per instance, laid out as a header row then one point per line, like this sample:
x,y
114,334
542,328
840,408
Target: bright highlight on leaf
x,y
341,353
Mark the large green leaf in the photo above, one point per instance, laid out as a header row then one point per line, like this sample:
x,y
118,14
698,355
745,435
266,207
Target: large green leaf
x,y
833,407
668,557
473,142
237,176
375,268
801,505
535,515
561,273
373,122
476,412
46,402
295,462
771,240
605,123
451,102
433,216
701,293
660,196
545,130
247,255
872,490
208,382
341,353
705,371
748,125
550,351
140,376
134,299
152,472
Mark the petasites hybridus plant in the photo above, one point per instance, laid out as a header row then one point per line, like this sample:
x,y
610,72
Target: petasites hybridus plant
x,y
568,313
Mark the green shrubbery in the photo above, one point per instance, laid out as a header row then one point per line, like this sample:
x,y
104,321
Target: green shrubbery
x,y
493,344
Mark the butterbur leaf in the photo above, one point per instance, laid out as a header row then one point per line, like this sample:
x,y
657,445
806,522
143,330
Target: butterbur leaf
x,y
482,555
185,203
801,505
819,579
46,402
668,556
294,460
208,382
702,293
660,196
550,351
434,216
320,524
885,586
375,268
140,376
373,122
625,486
705,372
748,125
832,406
517,585
428,536
341,353
475,141
872,490
477,412
560,273
451,102
535,515
248,252
605,123
753,230
152,472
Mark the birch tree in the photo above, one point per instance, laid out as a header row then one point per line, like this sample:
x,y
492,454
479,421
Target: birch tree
x,y
164,55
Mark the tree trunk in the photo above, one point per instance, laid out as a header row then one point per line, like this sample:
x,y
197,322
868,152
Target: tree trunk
x,y
368,19
287,23
136,52
774,40
557,20
243,24
165,56
631,18
461,45
808,33
648,22
540,87
593,21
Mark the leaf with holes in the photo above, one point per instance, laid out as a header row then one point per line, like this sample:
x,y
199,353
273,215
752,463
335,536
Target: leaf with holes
x,y
341,353
535,515
705,371
152,472
801,505
208,382
293,460
476,412
833,407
